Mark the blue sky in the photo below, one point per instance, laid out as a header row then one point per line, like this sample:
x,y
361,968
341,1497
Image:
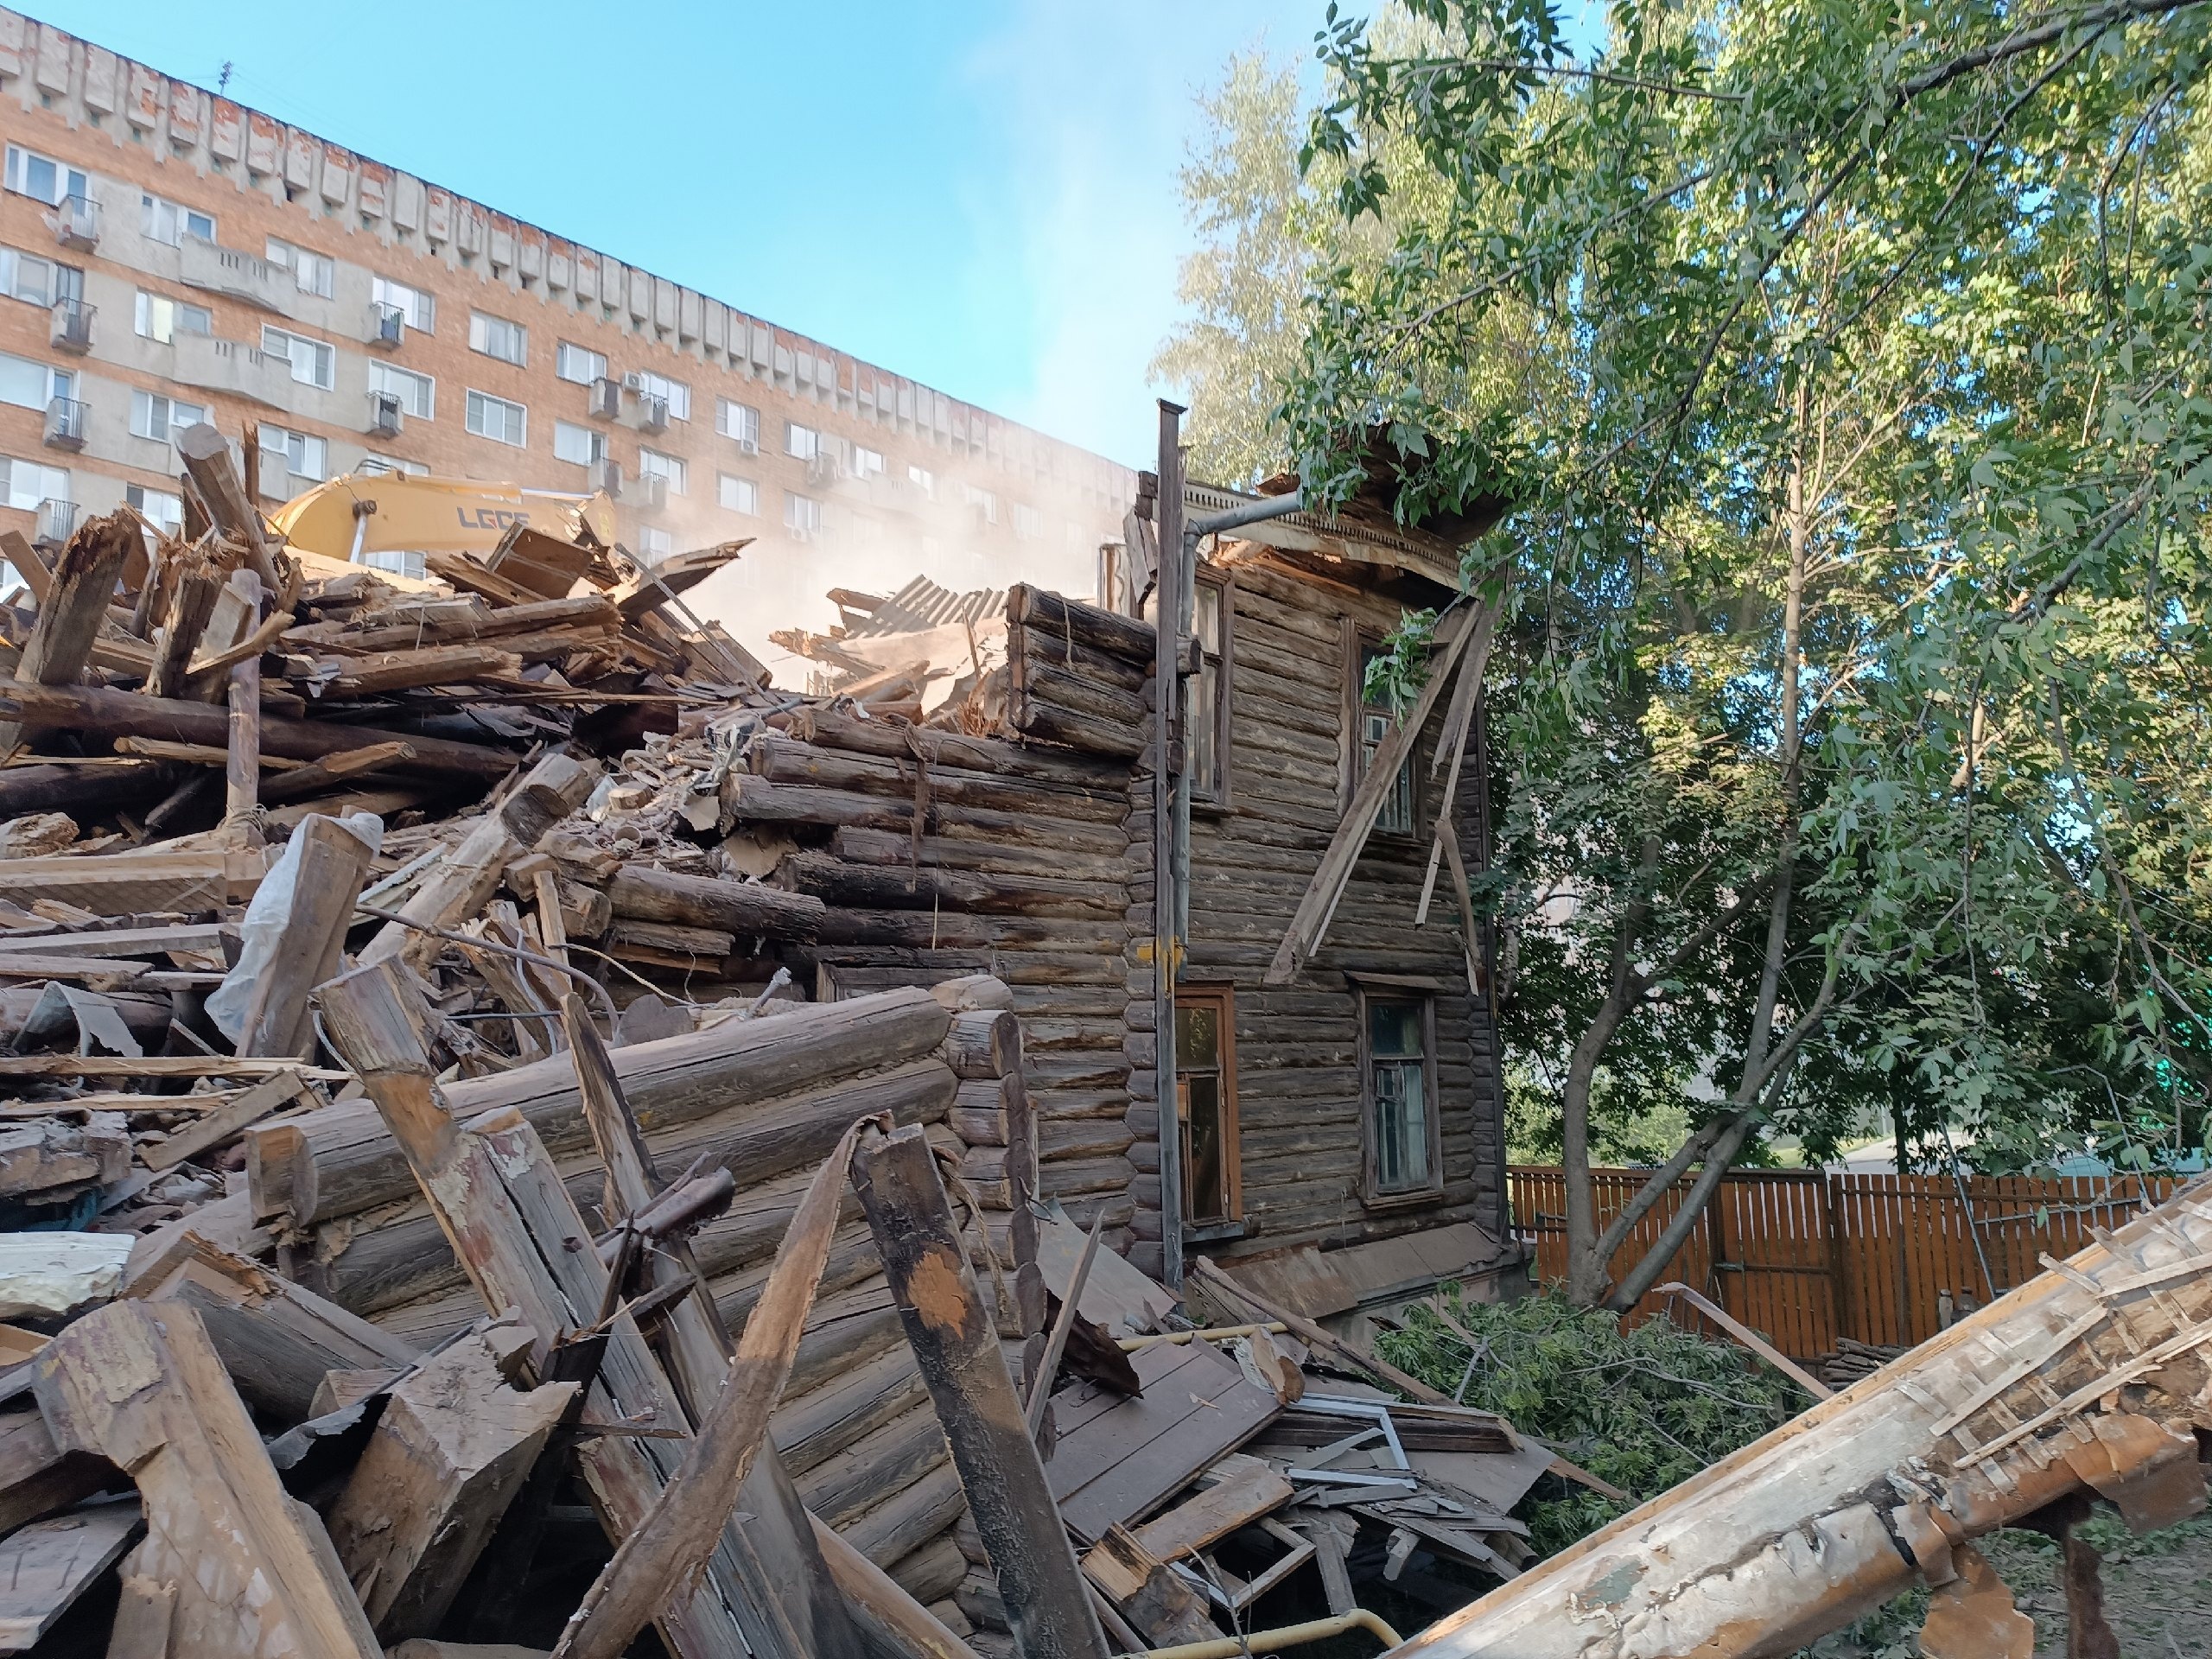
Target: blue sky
x,y
979,195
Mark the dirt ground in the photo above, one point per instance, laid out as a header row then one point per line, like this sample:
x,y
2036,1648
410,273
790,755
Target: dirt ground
x,y
2157,1595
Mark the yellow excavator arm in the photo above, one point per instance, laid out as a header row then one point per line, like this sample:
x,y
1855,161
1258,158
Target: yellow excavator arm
x,y
396,512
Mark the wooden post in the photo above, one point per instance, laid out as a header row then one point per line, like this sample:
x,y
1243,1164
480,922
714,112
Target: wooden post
x,y
955,1345
1167,687
69,617
242,775
207,458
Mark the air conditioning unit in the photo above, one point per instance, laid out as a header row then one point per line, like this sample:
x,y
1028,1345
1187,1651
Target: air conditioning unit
x,y
747,446
633,381
72,327
387,327
605,474
386,416
652,491
652,414
605,399
65,424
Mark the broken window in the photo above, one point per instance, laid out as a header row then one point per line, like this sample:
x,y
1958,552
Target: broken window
x,y
1205,1106
1373,721
1398,1097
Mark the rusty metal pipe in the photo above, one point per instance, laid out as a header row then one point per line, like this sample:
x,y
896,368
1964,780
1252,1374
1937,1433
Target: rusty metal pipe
x,y
1290,1636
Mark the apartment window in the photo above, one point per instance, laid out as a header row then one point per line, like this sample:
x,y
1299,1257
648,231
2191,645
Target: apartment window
x,y
923,480
417,393
160,418
497,419
30,384
163,320
417,310
986,505
866,463
1372,724
44,179
171,222
654,542
738,422
379,466
1210,689
803,442
1403,1148
653,464
313,273
738,494
315,363
674,393
1206,1104
802,515
574,363
26,484
305,455
579,445
497,337
1028,523
158,507
38,282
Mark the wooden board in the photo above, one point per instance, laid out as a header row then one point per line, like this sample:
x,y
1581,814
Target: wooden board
x,y
1251,1490
1114,1295
1119,1463
48,1564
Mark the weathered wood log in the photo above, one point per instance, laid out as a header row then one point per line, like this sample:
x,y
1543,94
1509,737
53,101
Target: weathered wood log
x,y
1041,684
894,1619
2084,1379
954,1341
301,782
785,760
72,788
750,799
1040,609
341,1160
207,457
457,886
36,1476
896,850
452,1448
583,610
897,740
70,616
242,768
1038,648
984,1044
400,670
142,1386
875,886
96,708
745,909
510,1223
1048,722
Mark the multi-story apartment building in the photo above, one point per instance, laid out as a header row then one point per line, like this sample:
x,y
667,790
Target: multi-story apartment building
x,y
168,254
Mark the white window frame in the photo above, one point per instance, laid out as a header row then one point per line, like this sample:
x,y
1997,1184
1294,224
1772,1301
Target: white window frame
x,y
802,514
320,369
737,494
150,308
418,392
417,310
654,544
801,442
152,410
480,401
867,462
740,423
484,328
674,393
923,480
69,181
579,365
159,506
305,454
1028,523
566,436
54,383
14,262
30,482
652,463
312,272
170,222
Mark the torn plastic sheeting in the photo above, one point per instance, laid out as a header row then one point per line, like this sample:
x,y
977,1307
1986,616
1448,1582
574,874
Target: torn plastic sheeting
x,y
99,1027
267,917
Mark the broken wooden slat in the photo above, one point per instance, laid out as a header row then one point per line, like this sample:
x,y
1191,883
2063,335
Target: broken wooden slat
x,y
142,1386
207,457
298,782
452,1448
215,1127
1252,1490
70,615
37,1476
954,1342
1165,1611
45,1566
241,773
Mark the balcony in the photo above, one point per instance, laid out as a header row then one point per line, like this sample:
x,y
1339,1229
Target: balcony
x,y
387,327
56,520
65,424
651,492
72,327
215,365
604,399
652,413
76,222
385,416
605,474
205,265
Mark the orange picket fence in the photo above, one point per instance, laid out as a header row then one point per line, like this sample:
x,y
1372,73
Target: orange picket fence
x,y
1804,1256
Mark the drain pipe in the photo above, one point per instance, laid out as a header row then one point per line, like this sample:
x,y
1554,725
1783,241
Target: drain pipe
x,y
1290,1636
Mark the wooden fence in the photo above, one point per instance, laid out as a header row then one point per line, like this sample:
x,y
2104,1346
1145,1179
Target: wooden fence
x,y
1804,1256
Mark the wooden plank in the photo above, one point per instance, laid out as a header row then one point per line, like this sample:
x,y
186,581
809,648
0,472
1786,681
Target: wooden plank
x,y
45,1566
158,1065
75,606
142,1386
945,1319
212,1130
242,767
1135,1483
1252,1490
122,884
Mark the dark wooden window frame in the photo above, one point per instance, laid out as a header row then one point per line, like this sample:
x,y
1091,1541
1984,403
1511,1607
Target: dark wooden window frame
x,y
1356,639
1390,988
1221,998
1214,791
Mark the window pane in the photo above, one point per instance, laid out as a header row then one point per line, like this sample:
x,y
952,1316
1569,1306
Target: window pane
x,y
1204,722
1394,1029
1198,1036
1208,617
1205,1153
1400,1126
